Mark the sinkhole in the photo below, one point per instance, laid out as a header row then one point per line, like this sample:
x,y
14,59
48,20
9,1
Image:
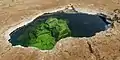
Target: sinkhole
x,y
47,29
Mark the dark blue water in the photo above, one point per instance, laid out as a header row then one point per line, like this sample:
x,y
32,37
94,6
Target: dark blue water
x,y
80,24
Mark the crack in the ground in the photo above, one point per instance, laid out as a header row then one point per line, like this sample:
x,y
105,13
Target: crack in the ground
x,y
90,47
97,56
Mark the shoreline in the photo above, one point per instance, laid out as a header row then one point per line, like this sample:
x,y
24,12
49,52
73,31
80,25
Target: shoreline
x,y
30,19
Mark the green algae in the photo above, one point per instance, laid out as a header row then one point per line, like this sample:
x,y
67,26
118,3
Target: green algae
x,y
45,35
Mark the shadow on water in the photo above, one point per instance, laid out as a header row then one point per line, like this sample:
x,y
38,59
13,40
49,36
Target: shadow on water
x,y
80,24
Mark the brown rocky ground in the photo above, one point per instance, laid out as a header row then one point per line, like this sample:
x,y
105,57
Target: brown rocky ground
x,y
102,46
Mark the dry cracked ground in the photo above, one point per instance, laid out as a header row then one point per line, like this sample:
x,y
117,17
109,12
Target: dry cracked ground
x,y
103,46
